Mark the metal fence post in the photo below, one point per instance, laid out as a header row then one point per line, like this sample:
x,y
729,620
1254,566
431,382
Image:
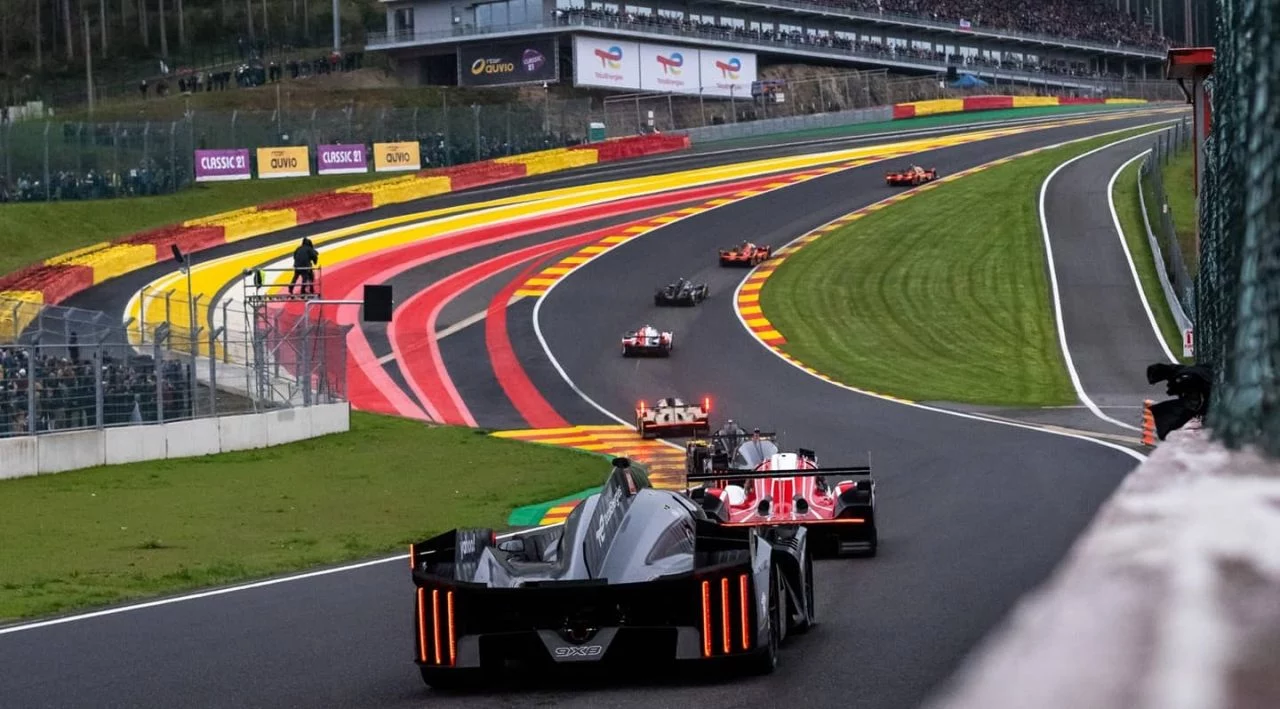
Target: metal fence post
x,y
213,372
304,371
31,388
47,188
475,118
99,395
157,358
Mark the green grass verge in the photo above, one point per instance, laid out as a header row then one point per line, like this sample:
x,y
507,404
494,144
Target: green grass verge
x,y
1129,210
109,534
943,297
33,231
1179,183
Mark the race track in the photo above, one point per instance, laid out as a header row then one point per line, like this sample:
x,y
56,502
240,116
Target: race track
x,y
972,513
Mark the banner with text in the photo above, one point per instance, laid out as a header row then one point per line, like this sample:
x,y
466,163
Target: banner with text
x,y
503,63
610,63
727,73
284,162
341,159
219,165
396,157
669,69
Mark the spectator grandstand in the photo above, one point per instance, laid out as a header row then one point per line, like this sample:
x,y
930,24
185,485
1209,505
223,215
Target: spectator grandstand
x,y
66,390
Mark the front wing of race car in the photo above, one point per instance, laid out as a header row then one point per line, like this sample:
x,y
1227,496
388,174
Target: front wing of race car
x,y
720,611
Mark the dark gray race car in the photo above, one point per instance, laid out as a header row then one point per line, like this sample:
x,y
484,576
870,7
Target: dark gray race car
x,y
682,292
633,574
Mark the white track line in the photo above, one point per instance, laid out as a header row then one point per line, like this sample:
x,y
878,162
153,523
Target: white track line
x,y
401,557
1053,281
1133,268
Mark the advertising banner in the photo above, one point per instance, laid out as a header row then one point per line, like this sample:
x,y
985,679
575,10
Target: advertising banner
x,y
341,159
669,69
395,157
284,162
218,165
727,73
503,63
610,63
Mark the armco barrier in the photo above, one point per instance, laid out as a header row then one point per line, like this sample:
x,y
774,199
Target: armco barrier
x,y
62,452
59,278
1167,601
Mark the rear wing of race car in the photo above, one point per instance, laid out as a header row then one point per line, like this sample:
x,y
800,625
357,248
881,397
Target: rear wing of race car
x,y
721,474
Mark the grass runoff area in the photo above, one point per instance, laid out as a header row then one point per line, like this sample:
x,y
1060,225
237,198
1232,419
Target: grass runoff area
x,y
1179,186
1129,210
33,231
942,297
109,534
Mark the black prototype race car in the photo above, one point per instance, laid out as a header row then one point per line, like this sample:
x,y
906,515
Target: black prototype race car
x,y
682,292
634,573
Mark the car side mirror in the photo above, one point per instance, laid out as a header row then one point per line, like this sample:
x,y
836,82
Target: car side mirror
x,y
512,546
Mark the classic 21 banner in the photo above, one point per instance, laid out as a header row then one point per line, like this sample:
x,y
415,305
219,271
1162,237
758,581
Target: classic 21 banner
x,y
499,63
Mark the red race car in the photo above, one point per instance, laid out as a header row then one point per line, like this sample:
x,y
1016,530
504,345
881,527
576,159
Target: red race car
x,y
764,487
745,254
648,340
914,175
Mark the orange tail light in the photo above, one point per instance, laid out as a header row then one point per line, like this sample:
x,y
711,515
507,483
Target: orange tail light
x,y
724,614
743,598
706,619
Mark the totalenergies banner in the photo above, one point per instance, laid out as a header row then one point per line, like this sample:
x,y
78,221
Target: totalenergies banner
x,y
395,157
284,162
612,63
669,69
219,165
341,159
727,73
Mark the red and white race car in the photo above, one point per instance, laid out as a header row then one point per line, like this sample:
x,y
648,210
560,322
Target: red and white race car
x,y
648,340
763,486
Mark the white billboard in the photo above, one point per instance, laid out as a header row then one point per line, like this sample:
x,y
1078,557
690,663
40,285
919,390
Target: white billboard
x,y
727,73
669,69
610,63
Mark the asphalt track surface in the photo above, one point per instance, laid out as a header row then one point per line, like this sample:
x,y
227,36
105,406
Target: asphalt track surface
x,y
972,514
1109,330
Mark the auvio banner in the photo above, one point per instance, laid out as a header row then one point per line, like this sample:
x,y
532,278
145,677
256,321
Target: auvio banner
x,y
341,159
219,165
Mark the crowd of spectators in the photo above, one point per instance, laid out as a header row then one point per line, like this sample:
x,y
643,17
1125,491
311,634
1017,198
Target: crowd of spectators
x,y
1097,23
149,179
252,72
66,390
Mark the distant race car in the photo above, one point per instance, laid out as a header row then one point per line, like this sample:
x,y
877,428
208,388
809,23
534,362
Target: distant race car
x,y
745,254
648,340
633,571
714,452
914,175
682,292
764,486
673,417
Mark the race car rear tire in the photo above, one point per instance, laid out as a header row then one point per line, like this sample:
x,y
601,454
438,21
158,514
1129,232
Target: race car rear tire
x,y
809,614
766,661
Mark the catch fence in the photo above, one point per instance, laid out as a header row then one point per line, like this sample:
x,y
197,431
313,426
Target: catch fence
x,y
70,369
1238,293
1174,253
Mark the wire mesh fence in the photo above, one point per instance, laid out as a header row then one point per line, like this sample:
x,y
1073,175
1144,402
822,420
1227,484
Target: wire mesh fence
x,y
1174,253
56,375
1238,295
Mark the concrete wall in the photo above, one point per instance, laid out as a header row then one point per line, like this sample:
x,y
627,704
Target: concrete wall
x,y
74,450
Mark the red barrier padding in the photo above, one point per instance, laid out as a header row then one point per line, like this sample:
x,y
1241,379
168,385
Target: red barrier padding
x,y
317,208
637,146
903,110
1075,100
477,174
55,283
987,103
190,239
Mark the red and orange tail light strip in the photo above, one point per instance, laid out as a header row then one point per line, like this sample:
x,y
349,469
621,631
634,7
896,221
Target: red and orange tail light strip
x,y
720,611
437,633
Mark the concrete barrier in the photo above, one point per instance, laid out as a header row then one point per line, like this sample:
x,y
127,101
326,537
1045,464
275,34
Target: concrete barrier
x,y
188,439
787,124
74,450
133,444
1168,601
59,452
19,457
